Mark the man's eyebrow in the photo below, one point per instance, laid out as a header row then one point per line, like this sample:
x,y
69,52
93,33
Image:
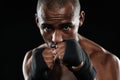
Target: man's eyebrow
x,y
47,25
66,24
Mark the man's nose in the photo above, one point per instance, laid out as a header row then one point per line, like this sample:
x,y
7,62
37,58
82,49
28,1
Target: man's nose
x,y
57,37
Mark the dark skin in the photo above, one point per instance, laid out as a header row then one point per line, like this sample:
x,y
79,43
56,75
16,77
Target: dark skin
x,y
57,25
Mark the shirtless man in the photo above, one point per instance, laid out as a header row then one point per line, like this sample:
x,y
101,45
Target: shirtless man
x,y
59,21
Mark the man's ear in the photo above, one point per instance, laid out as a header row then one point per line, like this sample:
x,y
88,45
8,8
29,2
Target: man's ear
x,y
36,19
82,18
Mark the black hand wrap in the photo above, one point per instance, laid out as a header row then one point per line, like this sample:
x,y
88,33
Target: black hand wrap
x,y
74,55
39,69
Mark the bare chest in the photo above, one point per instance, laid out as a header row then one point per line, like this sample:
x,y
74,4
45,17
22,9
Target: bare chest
x,y
61,72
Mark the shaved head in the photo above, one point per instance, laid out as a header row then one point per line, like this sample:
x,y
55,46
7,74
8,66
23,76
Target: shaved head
x,y
58,4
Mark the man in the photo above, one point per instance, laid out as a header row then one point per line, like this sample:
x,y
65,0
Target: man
x,y
67,55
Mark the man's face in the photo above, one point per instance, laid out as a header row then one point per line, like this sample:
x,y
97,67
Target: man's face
x,y
58,24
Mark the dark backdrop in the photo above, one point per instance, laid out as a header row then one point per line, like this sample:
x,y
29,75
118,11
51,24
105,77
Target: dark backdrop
x,y
20,33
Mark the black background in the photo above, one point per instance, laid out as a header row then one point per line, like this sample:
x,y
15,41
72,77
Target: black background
x,y
20,32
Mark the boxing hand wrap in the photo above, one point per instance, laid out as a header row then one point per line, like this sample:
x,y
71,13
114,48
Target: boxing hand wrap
x,y
39,69
74,56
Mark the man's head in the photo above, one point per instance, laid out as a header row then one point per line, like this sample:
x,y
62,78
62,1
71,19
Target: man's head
x,y
59,19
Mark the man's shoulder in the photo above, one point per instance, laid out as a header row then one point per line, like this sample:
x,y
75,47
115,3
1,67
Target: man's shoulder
x,y
112,59
105,59
108,64
97,53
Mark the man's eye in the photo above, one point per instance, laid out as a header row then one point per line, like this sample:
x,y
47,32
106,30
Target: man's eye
x,y
47,27
67,28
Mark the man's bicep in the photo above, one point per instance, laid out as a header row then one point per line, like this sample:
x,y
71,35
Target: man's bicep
x,y
115,67
26,64
118,64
